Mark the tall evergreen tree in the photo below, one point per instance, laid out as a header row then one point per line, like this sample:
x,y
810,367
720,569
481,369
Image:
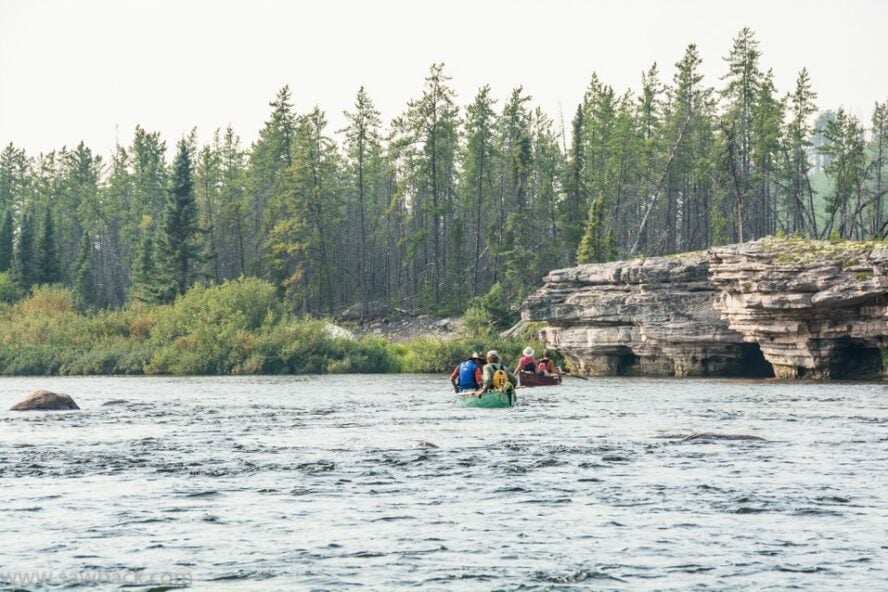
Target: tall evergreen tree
x,y
178,249
847,150
48,268
740,94
270,161
145,280
800,213
7,238
84,278
309,215
25,268
362,145
577,193
879,150
479,161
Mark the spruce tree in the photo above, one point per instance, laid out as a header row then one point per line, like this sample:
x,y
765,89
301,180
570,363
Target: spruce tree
x,y
6,242
84,277
178,249
598,242
24,264
144,270
48,269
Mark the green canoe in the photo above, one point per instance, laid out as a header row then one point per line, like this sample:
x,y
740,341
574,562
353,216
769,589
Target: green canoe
x,y
487,400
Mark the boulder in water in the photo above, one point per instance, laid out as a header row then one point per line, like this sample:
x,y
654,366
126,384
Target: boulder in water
x,y
46,401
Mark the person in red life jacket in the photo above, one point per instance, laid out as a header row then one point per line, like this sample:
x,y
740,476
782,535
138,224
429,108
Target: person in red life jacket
x,y
527,362
547,366
467,375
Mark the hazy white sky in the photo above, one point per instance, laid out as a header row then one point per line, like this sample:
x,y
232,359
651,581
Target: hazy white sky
x,y
93,69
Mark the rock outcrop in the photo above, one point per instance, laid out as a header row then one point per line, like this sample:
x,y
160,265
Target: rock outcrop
x,y
46,401
790,308
816,309
651,316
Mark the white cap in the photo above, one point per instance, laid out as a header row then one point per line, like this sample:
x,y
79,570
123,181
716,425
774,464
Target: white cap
x,y
528,351
493,354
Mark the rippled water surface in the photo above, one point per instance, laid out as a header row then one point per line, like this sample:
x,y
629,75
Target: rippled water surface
x,y
332,482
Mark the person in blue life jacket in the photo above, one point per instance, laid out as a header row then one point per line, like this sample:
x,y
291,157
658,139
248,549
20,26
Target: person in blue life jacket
x,y
467,375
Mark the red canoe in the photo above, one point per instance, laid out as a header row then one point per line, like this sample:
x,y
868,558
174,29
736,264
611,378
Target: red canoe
x,y
529,379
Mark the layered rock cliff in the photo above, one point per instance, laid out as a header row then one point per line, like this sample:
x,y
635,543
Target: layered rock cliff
x,y
816,309
789,308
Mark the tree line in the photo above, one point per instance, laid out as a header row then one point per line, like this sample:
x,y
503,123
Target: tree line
x,y
445,203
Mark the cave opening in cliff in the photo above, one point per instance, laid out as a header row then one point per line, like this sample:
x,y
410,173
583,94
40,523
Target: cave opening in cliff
x,y
752,362
856,359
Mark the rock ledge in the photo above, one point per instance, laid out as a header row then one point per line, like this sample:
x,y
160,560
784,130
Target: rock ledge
x,y
789,308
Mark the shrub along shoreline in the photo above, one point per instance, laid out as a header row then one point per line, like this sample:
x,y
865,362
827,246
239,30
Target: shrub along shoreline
x,y
239,327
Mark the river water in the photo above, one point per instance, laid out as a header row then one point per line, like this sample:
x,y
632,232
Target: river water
x,y
330,482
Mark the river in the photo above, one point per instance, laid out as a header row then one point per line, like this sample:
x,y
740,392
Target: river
x,y
290,483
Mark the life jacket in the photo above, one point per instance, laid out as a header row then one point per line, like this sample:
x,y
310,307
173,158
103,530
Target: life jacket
x,y
527,364
467,375
544,365
500,380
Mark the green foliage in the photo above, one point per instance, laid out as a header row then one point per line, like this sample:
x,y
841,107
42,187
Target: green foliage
x,y
239,327
9,289
489,314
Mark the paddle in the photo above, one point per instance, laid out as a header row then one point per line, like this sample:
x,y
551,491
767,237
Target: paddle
x,y
576,376
479,394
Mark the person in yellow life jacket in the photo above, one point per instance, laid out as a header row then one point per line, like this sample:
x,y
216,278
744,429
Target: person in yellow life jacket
x,y
495,373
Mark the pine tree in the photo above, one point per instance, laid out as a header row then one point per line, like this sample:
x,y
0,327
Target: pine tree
x,y
25,269
362,142
479,160
144,287
233,223
49,271
846,147
84,278
879,149
178,250
432,120
309,214
7,238
577,192
798,140
598,244
208,176
270,160
744,79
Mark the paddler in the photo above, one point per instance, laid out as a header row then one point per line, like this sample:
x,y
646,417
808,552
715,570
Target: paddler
x,y
467,375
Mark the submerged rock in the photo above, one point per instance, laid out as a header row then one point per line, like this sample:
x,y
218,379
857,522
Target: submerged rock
x,y
46,401
115,402
713,436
